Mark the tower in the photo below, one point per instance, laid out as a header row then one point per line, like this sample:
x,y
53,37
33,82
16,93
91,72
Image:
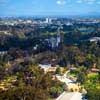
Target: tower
x,y
56,40
58,36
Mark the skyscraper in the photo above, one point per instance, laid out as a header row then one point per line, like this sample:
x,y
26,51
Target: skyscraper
x,y
48,20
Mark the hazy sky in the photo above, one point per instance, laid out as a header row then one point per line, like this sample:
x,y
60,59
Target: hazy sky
x,y
48,7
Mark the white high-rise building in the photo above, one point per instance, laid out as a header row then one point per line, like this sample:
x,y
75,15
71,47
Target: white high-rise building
x,y
48,20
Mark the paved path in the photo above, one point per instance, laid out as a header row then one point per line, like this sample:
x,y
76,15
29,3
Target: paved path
x,y
70,96
68,81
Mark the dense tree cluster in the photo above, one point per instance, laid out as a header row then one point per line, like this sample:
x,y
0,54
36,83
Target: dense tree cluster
x,y
32,84
93,94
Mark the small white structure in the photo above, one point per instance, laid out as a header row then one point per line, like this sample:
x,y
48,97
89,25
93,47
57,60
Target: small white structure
x,y
70,96
95,39
3,52
45,67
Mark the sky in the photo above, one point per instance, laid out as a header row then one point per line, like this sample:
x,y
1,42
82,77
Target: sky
x,y
48,7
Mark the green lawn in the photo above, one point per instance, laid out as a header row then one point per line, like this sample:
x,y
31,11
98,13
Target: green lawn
x,y
92,75
92,81
73,73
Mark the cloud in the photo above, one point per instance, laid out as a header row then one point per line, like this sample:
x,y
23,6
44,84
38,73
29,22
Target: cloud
x,y
86,1
98,2
61,2
79,1
3,2
89,1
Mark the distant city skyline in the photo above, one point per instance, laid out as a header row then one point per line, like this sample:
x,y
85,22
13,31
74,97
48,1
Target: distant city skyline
x,y
49,7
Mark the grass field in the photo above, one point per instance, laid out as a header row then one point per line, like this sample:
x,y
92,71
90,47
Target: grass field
x,y
92,81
